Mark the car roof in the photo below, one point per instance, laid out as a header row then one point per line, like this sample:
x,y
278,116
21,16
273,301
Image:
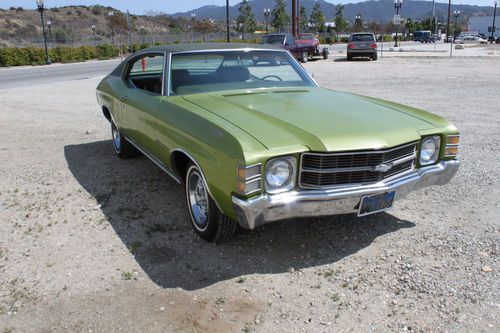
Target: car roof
x,y
174,48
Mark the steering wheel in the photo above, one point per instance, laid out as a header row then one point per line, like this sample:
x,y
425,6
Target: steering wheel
x,y
274,76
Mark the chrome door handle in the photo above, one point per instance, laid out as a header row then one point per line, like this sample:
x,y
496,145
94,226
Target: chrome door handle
x,y
124,97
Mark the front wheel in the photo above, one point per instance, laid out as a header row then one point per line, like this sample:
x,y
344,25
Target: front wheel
x,y
305,57
122,147
206,219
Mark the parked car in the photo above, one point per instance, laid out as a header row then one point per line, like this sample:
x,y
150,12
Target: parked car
x,y
424,36
362,44
301,50
312,39
473,38
253,139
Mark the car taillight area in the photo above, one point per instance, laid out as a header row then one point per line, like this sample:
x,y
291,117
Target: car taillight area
x,y
373,45
351,46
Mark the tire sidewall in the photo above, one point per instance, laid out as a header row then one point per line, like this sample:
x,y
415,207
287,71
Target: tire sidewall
x,y
118,150
207,233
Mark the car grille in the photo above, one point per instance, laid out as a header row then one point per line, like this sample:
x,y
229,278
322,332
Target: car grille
x,y
361,167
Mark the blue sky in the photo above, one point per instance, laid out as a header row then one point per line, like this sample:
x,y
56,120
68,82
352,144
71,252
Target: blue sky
x,y
168,6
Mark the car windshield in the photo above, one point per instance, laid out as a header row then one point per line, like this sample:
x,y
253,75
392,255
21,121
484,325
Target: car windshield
x,y
209,71
273,39
362,38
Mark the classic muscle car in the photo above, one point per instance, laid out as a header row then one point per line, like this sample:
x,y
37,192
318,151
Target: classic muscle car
x,y
254,139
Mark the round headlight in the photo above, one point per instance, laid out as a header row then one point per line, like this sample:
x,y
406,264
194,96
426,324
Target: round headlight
x,y
429,150
278,173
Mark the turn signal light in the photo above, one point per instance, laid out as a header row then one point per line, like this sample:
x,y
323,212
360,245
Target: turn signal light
x,y
452,142
249,179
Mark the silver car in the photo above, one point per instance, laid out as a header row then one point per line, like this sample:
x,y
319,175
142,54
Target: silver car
x,y
362,44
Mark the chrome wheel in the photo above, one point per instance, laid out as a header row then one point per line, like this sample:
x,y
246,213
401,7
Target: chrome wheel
x,y
197,197
116,139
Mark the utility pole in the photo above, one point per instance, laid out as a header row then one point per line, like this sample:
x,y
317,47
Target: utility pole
x,y
448,22
129,24
294,18
227,22
298,18
493,27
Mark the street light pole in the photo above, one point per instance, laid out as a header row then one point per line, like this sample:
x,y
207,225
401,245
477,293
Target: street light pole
x,y
456,14
93,35
448,22
227,22
267,13
193,21
41,8
493,27
397,7
110,15
49,27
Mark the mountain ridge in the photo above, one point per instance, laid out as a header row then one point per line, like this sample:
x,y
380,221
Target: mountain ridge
x,y
371,10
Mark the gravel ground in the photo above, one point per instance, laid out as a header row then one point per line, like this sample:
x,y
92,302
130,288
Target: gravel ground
x,y
90,243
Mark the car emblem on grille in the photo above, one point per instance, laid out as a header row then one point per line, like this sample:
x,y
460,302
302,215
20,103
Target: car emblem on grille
x,y
382,167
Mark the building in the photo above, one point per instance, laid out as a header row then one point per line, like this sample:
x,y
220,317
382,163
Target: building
x,y
483,25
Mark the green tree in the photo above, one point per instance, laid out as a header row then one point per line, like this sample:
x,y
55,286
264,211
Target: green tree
x,y
303,19
245,22
280,18
317,18
341,25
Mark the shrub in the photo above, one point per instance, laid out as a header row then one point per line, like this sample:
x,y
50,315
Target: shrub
x,y
36,56
106,51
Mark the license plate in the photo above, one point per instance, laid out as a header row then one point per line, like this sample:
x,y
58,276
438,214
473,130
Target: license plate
x,y
363,45
371,204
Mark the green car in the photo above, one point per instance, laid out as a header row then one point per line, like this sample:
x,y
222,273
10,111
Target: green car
x,y
253,139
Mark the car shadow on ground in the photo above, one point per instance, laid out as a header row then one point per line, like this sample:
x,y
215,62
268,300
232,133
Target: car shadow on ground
x,y
147,211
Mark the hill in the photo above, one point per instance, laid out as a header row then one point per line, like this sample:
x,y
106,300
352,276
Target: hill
x,y
373,10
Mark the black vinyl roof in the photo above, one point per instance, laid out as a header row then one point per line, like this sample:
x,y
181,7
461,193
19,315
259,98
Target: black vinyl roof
x,y
172,48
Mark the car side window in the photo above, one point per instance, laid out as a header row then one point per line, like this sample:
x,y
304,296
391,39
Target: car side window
x,y
146,73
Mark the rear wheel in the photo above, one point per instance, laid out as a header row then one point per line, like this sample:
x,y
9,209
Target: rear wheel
x,y
349,57
206,219
325,54
374,56
305,57
123,148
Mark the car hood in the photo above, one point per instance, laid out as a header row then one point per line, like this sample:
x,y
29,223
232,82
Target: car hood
x,y
316,118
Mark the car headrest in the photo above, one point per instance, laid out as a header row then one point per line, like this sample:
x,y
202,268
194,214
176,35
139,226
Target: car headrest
x,y
180,77
234,73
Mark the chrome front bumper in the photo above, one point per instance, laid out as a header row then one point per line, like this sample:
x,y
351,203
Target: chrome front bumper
x,y
342,200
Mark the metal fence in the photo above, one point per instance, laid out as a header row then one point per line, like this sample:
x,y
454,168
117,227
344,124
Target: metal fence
x,y
135,38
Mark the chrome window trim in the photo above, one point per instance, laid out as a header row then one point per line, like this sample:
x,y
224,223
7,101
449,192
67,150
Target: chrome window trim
x,y
400,161
137,56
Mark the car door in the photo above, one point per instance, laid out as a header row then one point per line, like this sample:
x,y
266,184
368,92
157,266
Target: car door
x,y
141,99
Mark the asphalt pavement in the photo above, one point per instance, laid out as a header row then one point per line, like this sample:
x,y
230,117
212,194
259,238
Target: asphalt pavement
x,y
34,75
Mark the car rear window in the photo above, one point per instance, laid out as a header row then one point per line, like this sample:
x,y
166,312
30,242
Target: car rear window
x,y
362,38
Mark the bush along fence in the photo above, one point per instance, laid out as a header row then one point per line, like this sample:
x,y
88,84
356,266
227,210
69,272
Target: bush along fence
x,y
36,56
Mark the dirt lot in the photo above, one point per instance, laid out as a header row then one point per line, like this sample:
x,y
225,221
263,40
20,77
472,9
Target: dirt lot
x,y
90,243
